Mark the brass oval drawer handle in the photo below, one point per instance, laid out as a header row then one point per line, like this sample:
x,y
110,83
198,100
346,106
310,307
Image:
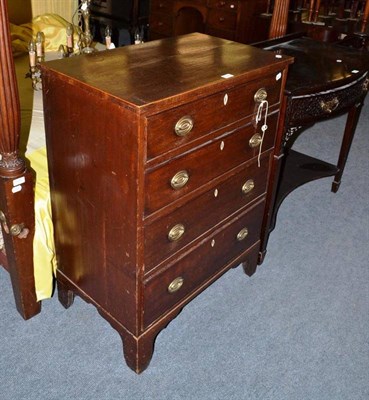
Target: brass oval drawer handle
x,y
176,232
260,95
242,234
180,179
255,141
175,285
248,186
330,105
184,126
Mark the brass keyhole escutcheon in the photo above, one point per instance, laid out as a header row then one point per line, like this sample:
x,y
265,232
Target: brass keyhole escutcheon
x,y
248,186
242,234
179,180
184,126
255,141
176,232
175,285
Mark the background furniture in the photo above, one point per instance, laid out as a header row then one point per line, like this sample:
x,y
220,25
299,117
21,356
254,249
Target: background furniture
x,y
328,20
155,183
325,81
123,16
331,20
346,15
226,19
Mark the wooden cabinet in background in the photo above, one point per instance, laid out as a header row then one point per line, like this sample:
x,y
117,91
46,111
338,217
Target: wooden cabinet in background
x,y
234,20
158,174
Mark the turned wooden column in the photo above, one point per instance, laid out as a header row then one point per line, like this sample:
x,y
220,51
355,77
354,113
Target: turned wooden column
x,y
278,25
316,11
16,183
365,17
311,11
11,164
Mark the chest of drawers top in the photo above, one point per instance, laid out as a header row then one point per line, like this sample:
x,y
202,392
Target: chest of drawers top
x,y
163,74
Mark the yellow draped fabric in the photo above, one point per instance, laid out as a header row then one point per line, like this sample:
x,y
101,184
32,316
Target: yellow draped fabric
x,y
52,25
43,247
20,37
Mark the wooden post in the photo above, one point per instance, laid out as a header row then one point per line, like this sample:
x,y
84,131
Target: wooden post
x,y
316,10
278,25
16,183
311,10
365,17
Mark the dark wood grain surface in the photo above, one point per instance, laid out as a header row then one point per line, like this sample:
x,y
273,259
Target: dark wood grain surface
x,y
320,66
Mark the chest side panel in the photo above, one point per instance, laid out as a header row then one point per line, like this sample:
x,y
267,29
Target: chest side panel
x,y
93,146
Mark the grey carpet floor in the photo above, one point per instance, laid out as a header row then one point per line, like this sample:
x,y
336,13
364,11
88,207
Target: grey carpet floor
x,y
297,329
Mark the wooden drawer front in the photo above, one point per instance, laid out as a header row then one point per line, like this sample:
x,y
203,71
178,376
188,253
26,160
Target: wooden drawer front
x,y
200,264
204,212
203,165
224,5
161,6
207,114
161,23
221,19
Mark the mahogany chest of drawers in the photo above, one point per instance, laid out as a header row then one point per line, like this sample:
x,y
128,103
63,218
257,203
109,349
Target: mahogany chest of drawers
x,y
229,19
158,174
